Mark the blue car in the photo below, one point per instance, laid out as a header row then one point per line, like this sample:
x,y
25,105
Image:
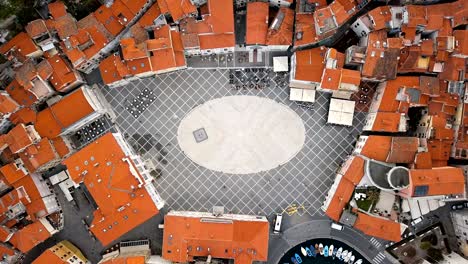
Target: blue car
x,y
298,258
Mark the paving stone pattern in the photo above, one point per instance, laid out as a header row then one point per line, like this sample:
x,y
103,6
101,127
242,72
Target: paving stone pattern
x,y
184,185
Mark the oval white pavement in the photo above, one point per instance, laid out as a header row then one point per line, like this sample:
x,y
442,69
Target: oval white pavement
x,y
241,134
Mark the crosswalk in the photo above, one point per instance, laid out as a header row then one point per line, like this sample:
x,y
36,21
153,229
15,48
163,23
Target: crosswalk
x,y
379,258
375,242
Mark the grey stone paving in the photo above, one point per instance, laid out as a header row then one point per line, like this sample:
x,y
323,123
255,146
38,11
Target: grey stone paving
x,y
186,186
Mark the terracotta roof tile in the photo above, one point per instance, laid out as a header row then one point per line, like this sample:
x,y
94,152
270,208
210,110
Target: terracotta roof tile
x,y
91,21
149,16
331,79
305,33
221,235
216,30
20,95
257,23
378,227
25,115
134,5
381,17
66,26
386,122
7,104
282,28
403,150
436,181
38,155
105,16
177,8
105,170
36,28
351,173
310,64
20,137
122,12
461,42
69,110
21,43
112,69
57,9
30,236
12,173
377,147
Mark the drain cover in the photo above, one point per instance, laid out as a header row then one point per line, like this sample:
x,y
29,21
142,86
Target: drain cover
x,y
200,135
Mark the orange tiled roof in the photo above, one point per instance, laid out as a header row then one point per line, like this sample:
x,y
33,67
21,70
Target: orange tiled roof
x,y
352,172
386,122
166,54
6,251
177,8
63,76
130,50
216,30
150,15
36,28
436,181
182,230
40,154
57,9
30,236
21,43
29,194
104,169
257,23
331,79
380,17
20,95
20,137
12,173
105,16
69,110
48,257
134,5
378,227
122,12
113,69
66,26
25,115
7,104
403,150
283,35
305,32
310,64
377,147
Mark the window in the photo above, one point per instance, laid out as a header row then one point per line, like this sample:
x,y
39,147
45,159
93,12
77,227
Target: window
x,y
421,190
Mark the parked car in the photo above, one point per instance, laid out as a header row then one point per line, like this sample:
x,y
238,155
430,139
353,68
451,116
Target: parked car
x,y
277,223
460,206
337,226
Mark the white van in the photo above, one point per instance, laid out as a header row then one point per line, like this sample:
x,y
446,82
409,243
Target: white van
x,y
277,223
337,226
